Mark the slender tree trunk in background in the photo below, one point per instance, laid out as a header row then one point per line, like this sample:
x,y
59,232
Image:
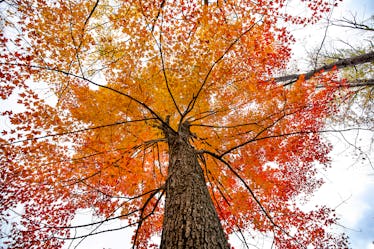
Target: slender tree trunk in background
x,y
190,219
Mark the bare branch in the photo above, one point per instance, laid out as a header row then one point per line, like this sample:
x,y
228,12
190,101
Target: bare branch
x,y
323,40
353,24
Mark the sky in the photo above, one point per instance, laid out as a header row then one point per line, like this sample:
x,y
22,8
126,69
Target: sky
x,y
349,186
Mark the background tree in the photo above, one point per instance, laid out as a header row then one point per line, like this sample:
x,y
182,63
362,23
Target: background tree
x,y
356,101
167,114
359,107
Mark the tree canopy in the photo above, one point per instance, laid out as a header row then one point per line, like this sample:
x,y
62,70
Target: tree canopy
x,y
99,86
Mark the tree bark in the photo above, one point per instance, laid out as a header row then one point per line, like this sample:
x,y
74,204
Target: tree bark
x,y
347,62
190,219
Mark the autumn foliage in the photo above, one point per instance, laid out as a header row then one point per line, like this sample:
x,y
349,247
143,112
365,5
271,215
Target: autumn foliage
x,y
87,85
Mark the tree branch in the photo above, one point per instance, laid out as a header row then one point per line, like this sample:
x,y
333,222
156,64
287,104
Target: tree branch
x,y
257,138
216,62
343,63
258,134
78,131
353,24
159,44
145,106
142,210
252,194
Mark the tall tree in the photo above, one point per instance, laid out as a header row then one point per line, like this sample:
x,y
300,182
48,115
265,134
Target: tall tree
x,y
167,114
358,109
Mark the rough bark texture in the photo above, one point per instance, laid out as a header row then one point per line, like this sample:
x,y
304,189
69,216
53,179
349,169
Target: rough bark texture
x,y
347,62
190,219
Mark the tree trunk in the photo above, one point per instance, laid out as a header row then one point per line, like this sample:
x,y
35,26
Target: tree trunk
x,y
190,219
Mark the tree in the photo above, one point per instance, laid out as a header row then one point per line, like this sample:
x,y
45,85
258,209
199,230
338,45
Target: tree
x,y
358,108
167,114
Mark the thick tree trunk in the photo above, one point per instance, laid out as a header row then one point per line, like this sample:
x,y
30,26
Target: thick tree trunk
x,y
190,219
